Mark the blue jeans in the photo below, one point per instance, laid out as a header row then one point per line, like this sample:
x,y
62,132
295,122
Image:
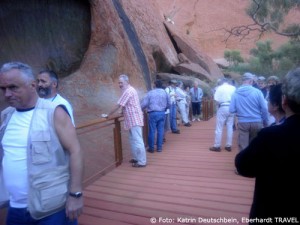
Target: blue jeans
x,y
156,123
21,216
173,114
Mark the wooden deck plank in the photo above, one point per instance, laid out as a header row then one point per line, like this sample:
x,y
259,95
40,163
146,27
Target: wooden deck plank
x,y
126,209
164,196
185,181
235,196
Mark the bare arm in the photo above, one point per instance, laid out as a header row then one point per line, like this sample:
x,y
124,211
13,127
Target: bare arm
x,y
69,140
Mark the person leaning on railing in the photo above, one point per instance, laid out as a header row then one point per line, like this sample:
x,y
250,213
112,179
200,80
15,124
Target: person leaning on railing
x,y
133,120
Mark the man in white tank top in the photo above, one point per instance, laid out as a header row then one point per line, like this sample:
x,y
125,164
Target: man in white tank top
x,y
47,85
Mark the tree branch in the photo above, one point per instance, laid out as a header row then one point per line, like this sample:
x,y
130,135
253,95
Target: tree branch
x,y
244,31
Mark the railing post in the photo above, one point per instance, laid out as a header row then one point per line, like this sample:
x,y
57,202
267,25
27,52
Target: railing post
x,y
205,109
145,129
118,142
211,111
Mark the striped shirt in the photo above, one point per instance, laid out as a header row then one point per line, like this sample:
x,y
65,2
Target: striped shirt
x,y
133,115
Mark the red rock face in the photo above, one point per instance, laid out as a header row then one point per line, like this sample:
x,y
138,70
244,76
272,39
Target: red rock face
x,y
112,52
134,40
204,22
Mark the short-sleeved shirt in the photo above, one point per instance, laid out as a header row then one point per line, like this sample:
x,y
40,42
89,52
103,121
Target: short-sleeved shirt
x,y
156,100
133,115
224,93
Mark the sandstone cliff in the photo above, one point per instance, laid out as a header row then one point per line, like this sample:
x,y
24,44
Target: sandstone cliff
x,y
136,37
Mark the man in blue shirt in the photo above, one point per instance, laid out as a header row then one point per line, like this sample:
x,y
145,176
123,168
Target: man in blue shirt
x,y
196,98
251,110
156,102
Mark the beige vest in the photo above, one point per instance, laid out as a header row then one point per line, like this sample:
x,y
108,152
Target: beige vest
x,y
47,161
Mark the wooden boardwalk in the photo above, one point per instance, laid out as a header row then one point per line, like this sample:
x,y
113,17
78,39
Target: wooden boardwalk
x,y
184,184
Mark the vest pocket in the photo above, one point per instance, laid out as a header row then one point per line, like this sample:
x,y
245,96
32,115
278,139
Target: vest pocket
x,y
53,197
40,151
49,191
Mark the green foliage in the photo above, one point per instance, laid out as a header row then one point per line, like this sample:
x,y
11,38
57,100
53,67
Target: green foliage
x,y
270,16
290,50
240,68
284,65
233,57
264,53
265,61
272,11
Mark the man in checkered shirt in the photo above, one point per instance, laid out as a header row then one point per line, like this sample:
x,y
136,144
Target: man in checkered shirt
x,y
133,120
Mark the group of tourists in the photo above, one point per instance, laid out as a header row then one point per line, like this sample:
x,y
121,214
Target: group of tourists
x,y
39,146
268,151
255,104
161,105
268,121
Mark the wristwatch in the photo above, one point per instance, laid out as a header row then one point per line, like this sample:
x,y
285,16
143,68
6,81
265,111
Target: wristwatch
x,y
76,194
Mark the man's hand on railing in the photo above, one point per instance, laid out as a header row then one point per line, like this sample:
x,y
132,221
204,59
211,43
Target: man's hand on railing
x,y
103,115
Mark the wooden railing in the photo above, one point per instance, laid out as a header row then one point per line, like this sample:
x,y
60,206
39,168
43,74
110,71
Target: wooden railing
x,y
207,108
116,121
207,111
101,123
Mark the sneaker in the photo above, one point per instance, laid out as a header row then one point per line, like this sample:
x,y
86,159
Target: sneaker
x,y
187,124
193,120
215,149
198,119
137,165
228,148
133,161
176,132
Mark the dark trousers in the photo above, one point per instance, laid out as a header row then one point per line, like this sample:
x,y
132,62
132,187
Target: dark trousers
x,y
196,108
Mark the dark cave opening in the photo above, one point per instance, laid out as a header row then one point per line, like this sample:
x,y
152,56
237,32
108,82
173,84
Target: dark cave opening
x,y
53,34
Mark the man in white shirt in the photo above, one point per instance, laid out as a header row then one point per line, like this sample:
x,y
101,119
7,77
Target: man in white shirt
x,y
47,84
223,96
171,91
182,104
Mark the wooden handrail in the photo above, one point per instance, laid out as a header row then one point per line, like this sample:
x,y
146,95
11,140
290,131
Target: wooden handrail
x,y
114,121
117,134
97,121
